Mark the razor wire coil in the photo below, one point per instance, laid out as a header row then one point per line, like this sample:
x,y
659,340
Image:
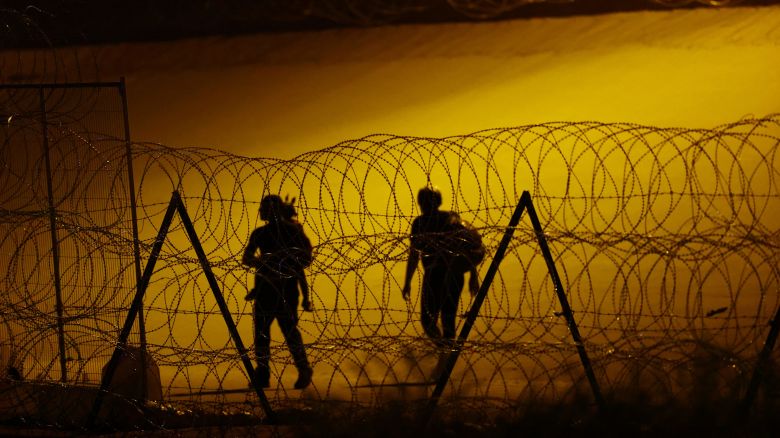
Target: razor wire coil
x,y
665,238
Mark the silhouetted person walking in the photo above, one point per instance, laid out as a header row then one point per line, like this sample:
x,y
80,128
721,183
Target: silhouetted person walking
x,y
446,247
284,250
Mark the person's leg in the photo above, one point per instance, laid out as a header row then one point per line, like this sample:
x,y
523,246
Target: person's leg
x,y
453,285
288,323
295,343
263,316
289,326
430,303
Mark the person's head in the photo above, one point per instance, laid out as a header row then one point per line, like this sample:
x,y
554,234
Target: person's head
x,y
273,208
429,199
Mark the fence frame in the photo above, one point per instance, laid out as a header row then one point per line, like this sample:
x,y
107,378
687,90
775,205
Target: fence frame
x,y
121,88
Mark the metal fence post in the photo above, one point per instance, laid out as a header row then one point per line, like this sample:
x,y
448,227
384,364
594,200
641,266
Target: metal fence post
x,y
55,252
134,217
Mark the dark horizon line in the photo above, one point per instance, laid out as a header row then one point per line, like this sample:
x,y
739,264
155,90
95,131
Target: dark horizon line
x,y
57,23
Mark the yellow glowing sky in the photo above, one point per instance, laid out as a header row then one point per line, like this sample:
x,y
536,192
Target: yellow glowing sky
x,y
280,95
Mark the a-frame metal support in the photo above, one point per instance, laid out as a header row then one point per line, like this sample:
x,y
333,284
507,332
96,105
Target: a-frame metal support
x,y
524,204
176,205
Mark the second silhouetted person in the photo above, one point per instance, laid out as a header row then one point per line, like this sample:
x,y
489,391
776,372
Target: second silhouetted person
x,y
448,250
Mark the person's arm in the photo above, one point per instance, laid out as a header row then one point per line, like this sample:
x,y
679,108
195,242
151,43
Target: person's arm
x,y
473,281
305,244
412,260
250,257
411,266
302,252
306,304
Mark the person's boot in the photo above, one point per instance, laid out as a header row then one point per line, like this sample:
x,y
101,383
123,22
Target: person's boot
x,y
304,378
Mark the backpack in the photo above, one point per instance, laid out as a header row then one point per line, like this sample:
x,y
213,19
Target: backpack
x,y
467,248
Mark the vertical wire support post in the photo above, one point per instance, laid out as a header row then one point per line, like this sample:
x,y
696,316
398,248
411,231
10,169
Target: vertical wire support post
x,y
475,306
524,203
567,312
54,241
761,364
243,351
134,218
176,205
